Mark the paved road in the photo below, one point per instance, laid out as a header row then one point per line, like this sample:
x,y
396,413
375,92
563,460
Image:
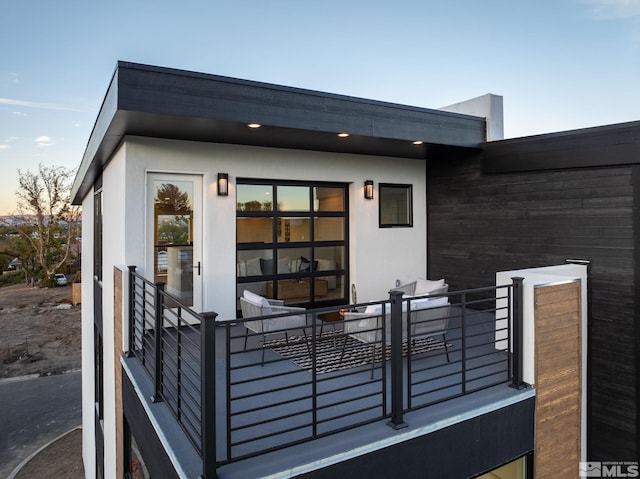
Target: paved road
x,y
35,411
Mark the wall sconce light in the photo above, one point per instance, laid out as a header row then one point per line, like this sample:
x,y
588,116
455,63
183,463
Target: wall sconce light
x,y
223,184
368,190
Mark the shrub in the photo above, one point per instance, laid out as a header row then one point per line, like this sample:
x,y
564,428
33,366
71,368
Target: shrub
x,y
11,277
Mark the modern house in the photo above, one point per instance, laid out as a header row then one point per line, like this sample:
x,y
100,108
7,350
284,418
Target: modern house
x,y
199,191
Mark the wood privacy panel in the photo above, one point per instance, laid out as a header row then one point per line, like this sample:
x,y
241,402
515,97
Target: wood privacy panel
x,y
117,338
558,356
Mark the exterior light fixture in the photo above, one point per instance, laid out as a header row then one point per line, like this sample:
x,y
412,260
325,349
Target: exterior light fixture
x,y
254,125
418,142
343,135
223,184
368,190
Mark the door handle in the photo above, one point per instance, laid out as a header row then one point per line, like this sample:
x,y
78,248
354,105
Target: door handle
x,y
198,267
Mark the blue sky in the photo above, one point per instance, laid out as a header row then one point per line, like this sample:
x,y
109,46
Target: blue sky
x,y
560,64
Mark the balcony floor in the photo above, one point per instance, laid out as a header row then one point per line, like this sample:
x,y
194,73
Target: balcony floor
x,y
268,393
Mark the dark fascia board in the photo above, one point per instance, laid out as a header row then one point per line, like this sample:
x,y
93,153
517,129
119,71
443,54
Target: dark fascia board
x,y
609,145
168,103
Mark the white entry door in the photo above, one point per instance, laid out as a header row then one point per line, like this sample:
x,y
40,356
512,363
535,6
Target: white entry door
x,y
174,235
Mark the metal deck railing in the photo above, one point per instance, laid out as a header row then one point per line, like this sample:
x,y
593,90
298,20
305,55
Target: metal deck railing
x,y
233,403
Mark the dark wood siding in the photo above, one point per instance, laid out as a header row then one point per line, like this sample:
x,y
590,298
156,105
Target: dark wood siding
x,y
482,223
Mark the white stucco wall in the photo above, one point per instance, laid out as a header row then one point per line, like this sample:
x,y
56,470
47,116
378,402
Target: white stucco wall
x,y
378,256
88,397
115,245
489,106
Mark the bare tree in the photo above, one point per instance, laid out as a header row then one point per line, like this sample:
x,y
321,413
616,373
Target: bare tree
x,y
46,220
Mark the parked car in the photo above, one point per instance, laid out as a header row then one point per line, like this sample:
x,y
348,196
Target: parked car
x,y
61,279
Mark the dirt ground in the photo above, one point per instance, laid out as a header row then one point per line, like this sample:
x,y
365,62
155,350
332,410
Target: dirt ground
x,y
39,331
40,334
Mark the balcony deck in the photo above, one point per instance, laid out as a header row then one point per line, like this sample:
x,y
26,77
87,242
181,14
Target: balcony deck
x,y
279,419
308,456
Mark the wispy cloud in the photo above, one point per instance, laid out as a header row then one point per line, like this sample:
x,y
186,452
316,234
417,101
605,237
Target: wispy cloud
x,y
19,113
7,142
40,105
14,77
612,9
44,141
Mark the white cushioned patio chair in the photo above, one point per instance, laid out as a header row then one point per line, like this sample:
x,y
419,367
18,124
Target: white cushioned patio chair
x,y
429,317
254,306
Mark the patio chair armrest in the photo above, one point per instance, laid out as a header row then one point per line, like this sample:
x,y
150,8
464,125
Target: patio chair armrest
x,y
363,326
354,315
286,309
275,302
284,322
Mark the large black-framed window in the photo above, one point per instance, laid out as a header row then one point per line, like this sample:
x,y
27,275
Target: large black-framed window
x,y
97,299
98,356
292,240
97,235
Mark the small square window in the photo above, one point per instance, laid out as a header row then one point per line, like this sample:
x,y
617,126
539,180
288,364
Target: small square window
x,y
396,205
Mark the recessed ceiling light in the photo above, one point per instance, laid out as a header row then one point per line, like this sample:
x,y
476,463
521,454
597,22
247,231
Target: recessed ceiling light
x,y
254,125
343,135
418,142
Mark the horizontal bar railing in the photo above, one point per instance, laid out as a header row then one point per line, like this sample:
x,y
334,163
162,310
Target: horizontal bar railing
x,y
300,391
328,373
165,336
468,351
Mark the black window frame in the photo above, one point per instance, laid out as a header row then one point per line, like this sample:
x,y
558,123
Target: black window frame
x,y
381,198
276,246
98,359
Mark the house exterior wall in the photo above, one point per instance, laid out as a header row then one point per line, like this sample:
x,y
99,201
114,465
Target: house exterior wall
x,y
482,223
86,305
378,256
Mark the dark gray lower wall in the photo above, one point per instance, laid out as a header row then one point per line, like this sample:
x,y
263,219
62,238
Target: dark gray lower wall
x,y
482,223
99,445
463,450
151,448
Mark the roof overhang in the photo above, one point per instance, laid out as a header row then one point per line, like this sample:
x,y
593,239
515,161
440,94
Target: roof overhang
x,y
166,103
602,146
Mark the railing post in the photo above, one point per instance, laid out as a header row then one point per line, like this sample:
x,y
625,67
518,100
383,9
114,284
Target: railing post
x,y
463,340
208,394
517,339
397,406
158,323
132,305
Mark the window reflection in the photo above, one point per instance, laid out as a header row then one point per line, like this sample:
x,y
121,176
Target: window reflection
x,y
254,197
173,237
293,198
396,203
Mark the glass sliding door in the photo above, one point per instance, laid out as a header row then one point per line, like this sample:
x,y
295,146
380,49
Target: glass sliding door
x,y
292,241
